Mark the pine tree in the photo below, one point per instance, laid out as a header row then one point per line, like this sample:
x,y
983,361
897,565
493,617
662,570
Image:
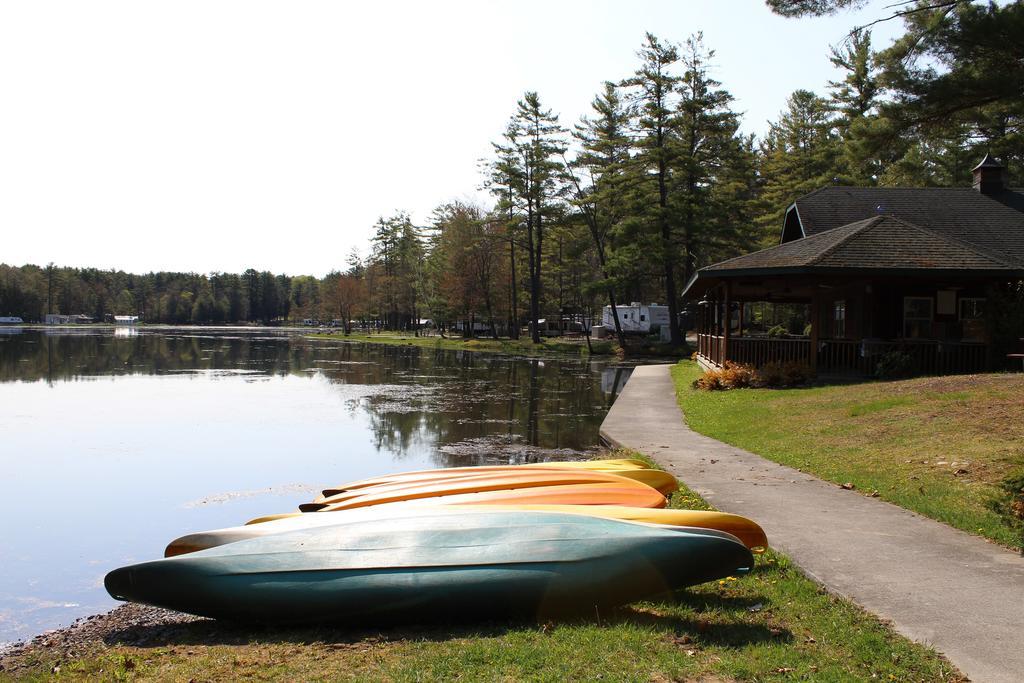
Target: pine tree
x,y
800,154
531,160
710,165
854,99
599,179
652,98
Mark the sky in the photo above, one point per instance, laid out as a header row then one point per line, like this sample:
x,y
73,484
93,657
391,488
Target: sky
x,y
221,135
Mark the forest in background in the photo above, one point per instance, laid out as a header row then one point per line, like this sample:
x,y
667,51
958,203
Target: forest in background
x,y
627,203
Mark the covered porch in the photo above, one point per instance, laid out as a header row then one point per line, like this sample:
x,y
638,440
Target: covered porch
x,y
842,326
853,297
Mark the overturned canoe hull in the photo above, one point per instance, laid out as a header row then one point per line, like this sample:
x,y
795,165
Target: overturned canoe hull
x,y
429,567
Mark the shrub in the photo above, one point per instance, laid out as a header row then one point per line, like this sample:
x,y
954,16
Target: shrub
x,y
795,373
711,380
783,374
1004,320
1009,504
777,331
737,376
729,376
894,365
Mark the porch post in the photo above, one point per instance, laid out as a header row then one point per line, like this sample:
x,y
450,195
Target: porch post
x,y
815,320
727,322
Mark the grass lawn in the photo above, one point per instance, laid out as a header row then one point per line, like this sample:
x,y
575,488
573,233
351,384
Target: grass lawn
x,y
548,345
771,625
935,445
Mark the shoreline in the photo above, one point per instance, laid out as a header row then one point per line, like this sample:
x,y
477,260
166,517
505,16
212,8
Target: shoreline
x,y
509,347
550,347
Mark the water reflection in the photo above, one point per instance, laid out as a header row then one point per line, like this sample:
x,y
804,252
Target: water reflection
x,y
132,440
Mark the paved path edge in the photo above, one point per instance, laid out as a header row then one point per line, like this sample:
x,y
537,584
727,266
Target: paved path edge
x,y
934,584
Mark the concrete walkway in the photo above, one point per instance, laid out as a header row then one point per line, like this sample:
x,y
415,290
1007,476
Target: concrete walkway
x,y
939,586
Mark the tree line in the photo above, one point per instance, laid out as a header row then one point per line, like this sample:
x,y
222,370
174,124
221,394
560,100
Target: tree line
x,y
627,203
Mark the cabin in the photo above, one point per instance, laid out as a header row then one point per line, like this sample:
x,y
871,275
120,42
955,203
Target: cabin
x,y
11,320
556,327
636,318
58,319
862,273
126,319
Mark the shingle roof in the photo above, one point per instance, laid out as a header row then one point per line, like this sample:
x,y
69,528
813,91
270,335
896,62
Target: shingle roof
x,y
879,243
992,222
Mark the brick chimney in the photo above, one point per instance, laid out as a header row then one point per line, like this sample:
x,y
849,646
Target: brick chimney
x,y
990,176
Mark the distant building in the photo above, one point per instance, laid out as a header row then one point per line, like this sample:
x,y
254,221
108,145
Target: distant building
x,y
59,319
636,317
126,319
10,320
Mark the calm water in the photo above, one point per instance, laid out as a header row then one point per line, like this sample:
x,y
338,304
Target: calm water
x,y
113,444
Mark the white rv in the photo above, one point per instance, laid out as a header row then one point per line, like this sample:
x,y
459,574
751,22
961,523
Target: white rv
x,y
636,318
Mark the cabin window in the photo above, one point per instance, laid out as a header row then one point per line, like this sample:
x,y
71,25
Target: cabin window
x,y
643,317
918,313
839,319
972,318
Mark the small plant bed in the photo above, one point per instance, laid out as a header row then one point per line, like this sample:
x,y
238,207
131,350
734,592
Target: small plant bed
x,y
945,447
773,624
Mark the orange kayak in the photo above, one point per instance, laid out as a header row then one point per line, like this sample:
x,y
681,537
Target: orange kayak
x,y
627,493
638,495
474,483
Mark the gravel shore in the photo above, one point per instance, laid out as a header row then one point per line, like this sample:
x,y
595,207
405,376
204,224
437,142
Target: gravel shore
x,y
129,624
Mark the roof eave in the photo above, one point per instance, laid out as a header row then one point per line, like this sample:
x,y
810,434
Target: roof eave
x,y
722,274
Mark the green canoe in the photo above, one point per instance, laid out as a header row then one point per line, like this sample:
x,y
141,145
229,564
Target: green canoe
x,y
435,567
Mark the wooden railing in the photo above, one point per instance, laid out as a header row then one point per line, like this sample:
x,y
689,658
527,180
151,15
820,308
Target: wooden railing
x,y
848,356
757,351
930,357
843,355
710,347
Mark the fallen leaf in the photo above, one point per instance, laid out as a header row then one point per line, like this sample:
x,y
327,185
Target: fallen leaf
x,y
849,486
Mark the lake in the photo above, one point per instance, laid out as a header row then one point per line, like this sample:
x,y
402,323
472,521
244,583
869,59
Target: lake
x,y
114,442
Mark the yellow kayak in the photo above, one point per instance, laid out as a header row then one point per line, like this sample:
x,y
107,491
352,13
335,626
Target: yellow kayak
x,y
742,528
614,466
